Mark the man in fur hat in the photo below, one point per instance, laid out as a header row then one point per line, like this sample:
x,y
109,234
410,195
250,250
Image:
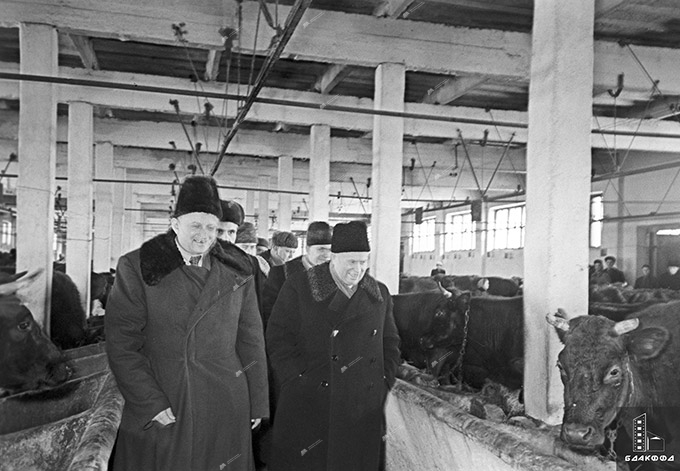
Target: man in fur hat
x,y
318,251
246,240
184,342
333,347
283,248
262,245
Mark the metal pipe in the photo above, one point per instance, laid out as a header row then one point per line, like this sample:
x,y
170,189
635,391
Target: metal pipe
x,y
653,215
636,171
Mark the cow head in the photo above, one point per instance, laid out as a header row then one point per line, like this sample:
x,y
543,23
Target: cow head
x,y
597,366
448,319
28,359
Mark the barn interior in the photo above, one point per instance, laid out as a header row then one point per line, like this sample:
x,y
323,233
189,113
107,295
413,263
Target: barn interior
x,y
512,138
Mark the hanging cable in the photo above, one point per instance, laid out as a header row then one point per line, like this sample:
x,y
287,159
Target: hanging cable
x,y
520,182
252,60
663,200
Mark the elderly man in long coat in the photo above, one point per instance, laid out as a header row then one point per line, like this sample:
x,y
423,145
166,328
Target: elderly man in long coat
x,y
333,347
185,343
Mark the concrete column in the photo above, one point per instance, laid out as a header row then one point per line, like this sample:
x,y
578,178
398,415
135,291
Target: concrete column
x,y
285,183
319,171
117,217
263,208
250,205
79,213
128,222
103,207
558,191
388,151
37,163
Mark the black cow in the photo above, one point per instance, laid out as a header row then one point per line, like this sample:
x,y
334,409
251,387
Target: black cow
x,y
493,285
618,371
28,359
428,324
494,343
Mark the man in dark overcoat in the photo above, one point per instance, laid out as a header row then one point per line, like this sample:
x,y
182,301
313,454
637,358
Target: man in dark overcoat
x,y
333,347
318,251
185,344
283,248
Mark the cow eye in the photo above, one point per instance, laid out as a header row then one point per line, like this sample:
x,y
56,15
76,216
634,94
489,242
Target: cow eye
x,y
24,326
614,375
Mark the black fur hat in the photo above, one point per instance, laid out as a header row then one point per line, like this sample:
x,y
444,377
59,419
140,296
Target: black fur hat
x,y
246,234
350,237
232,212
198,194
262,242
319,233
285,239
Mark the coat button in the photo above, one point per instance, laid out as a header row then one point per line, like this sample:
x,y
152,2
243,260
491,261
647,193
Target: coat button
x,y
334,358
374,332
324,383
335,333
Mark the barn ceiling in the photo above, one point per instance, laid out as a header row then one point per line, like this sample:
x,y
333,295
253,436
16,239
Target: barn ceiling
x,y
329,60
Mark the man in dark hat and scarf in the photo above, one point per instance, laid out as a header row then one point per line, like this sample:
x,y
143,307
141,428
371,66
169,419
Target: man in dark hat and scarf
x,y
318,251
333,348
185,344
283,248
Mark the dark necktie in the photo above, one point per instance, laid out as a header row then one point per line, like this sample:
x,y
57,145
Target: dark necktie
x,y
195,260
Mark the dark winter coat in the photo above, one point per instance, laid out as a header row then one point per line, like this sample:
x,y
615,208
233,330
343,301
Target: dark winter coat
x,y
646,282
335,359
200,351
666,280
277,275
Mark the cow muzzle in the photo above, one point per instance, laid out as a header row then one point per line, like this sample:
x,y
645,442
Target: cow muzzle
x,y
581,436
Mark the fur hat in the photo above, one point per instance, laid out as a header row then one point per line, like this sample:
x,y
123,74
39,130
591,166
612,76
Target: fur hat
x,y
232,212
350,237
319,233
198,194
246,234
262,242
285,239
673,263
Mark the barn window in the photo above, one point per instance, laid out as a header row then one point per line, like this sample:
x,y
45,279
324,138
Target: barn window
x,y
6,233
460,232
507,227
423,236
596,215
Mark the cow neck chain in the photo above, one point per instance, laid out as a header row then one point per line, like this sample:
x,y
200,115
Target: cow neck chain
x,y
461,353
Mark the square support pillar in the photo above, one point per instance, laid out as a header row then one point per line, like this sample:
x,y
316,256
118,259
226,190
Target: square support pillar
x,y
118,217
263,207
37,163
285,183
79,213
388,156
558,191
250,207
103,207
319,171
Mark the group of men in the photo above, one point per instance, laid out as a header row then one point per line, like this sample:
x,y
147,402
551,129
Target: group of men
x,y
186,325
604,276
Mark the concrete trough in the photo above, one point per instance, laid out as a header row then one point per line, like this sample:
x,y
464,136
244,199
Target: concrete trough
x,y
72,427
425,431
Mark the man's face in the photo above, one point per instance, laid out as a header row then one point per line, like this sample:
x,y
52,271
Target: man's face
x,y
227,231
645,271
610,263
196,232
261,249
284,253
350,266
597,266
318,254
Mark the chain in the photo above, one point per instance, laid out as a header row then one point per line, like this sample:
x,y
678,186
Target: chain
x,y
611,435
459,361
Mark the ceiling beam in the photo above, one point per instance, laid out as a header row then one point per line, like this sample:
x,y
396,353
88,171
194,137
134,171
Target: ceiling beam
x,y
331,77
449,90
605,7
660,107
521,10
85,50
391,8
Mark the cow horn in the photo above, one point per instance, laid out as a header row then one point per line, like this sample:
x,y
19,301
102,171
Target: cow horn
x,y
623,327
444,291
15,285
558,320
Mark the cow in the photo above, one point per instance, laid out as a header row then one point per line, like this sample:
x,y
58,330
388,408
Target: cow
x,y
494,345
428,323
492,285
28,359
615,371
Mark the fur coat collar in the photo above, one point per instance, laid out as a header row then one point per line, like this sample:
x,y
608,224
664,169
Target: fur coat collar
x,y
160,256
323,286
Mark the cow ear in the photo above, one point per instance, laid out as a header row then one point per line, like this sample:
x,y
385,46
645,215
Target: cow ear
x,y
647,343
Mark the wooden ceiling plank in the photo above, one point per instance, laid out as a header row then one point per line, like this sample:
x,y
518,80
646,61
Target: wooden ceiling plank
x,y
495,7
605,7
85,50
333,75
392,8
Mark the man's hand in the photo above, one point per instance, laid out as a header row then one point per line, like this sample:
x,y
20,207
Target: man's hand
x,y
166,417
254,423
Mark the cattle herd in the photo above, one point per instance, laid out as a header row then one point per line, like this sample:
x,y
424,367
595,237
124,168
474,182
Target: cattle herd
x,y
617,363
